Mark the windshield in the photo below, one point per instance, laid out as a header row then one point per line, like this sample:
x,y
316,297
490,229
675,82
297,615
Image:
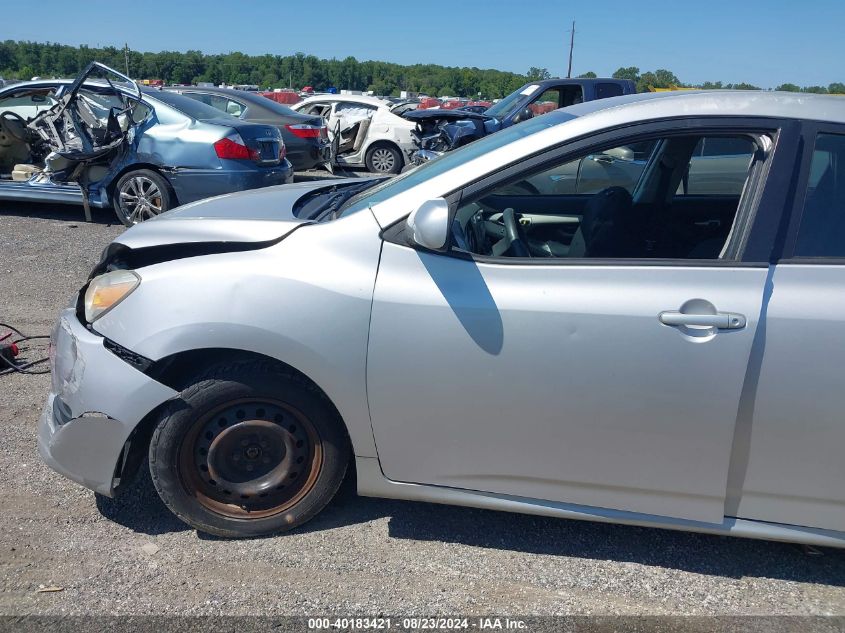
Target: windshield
x,y
449,160
191,107
501,109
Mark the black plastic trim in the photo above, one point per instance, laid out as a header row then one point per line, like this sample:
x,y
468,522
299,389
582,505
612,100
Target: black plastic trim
x,y
141,363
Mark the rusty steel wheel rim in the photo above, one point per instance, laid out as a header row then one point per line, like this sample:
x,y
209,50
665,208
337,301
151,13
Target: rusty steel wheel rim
x,y
251,458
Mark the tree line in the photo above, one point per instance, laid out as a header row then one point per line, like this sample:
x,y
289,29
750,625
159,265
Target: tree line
x,y
663,78
24,60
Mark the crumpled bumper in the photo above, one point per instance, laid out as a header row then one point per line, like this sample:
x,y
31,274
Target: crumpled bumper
x,y
95,402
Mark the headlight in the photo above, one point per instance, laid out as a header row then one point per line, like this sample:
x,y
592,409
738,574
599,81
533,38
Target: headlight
x,y
106,291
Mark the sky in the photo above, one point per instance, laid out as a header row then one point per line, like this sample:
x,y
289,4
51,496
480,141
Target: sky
x,y
765,43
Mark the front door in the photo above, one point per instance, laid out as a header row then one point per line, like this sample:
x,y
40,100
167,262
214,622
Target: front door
x,y
601,367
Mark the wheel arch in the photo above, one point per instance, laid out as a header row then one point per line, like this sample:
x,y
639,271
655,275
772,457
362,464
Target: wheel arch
x,y
176,371
135,167
383,142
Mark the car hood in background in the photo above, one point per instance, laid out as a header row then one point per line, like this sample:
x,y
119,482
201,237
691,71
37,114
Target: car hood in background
x,y
259,215
444,115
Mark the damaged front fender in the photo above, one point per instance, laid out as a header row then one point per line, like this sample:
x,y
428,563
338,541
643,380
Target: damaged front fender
x,y
444,130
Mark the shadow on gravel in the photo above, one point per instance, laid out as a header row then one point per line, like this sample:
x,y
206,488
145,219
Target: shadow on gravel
x,y
728,557
70,213
141,510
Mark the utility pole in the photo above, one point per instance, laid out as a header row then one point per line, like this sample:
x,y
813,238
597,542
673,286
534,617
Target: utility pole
x,y
126,57
571,46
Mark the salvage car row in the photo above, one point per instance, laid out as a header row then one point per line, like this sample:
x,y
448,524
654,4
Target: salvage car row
x,y
104,141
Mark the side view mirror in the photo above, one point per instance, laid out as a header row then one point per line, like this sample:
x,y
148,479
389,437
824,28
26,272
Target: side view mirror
x,y
526,114
428,226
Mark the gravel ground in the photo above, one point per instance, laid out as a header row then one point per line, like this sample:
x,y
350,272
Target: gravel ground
x,y
363,556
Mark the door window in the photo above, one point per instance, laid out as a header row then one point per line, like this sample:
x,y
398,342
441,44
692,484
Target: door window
x,y
318,109
219,102
555,98
28,104
611,203
822,230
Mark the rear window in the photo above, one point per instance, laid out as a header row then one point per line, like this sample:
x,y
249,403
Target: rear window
x,y
605,90
191,107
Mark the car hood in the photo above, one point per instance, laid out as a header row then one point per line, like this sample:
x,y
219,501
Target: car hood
x,y
258,215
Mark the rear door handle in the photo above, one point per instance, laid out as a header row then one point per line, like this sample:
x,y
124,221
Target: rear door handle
x,y
720,320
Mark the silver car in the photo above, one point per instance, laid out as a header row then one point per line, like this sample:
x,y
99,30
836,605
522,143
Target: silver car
x,y
650,355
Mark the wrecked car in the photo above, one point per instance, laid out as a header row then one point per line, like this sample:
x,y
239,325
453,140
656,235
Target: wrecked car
x,y
101,141
443,129
365,131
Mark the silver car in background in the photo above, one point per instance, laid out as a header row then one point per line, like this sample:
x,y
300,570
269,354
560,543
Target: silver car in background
x,y
644,353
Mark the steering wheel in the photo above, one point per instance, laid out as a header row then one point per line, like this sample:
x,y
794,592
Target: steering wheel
x,y
515,234
14,125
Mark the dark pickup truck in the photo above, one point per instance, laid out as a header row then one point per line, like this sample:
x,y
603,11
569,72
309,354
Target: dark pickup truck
x,y
440,131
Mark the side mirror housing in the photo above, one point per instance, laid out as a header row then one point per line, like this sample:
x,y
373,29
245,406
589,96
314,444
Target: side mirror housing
x,y
524,115
428,226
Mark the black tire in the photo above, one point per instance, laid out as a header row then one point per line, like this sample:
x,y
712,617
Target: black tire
x,y
141,194
383,158
187,433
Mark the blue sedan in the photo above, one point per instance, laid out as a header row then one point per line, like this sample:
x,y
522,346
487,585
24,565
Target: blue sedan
x,y
100,141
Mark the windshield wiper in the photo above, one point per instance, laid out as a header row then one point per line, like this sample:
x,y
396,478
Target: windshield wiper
x,y
338,203
323,203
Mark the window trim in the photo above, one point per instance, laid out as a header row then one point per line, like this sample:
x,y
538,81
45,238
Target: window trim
x,y
750,204
810,131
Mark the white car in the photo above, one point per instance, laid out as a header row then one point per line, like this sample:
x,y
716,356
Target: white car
x,y
364,131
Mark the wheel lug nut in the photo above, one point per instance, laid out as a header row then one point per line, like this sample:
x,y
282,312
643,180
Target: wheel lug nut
x,y
266,460
250,467
244,442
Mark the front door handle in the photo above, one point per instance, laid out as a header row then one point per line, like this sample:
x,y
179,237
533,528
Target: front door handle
x,y
720,320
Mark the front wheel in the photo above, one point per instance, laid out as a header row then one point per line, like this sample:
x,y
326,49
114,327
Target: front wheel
x,y
140,195
250,449
384,159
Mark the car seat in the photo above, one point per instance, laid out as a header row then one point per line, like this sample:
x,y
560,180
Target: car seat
x,y
608,227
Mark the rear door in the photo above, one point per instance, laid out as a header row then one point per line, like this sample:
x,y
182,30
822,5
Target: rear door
x,y
789,464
